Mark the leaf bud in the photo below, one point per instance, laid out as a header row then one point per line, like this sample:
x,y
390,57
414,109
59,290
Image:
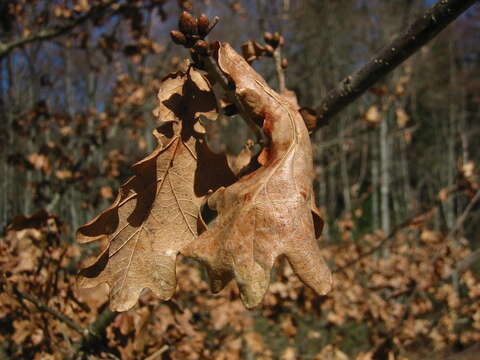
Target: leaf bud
x,y
259,49
187,24
203,25
269,50
201,47
284,63
185,5
275,39
267,37
178,37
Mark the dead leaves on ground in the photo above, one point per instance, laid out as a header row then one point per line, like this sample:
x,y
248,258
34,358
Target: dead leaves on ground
x,y
371,298
265,214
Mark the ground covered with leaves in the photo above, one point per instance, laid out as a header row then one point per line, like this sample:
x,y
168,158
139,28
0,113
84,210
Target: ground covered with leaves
x,y
404,296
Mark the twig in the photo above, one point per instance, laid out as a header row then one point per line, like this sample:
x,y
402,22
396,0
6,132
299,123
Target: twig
x,y
277,56
214,70
95,332
466,262
44,307
465,213
383,241
3,353
405,223
53,32
423,29
473,257
469,353
157,353
458,223
92,334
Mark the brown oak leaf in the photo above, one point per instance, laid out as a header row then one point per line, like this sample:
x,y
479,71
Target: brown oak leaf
x,y
156,212
267,213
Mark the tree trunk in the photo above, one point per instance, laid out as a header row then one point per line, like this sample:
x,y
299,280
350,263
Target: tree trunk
x,y
385,174
375,180
344,168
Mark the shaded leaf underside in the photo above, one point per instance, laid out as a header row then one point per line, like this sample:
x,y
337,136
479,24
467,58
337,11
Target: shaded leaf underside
x,y
156,211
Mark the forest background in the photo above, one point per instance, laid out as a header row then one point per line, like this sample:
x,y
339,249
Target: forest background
x,y
397,181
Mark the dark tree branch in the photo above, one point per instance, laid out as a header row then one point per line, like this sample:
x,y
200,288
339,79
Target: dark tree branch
x,y
44,307
424,28
95,332
46,34
3,353
91,335
470,353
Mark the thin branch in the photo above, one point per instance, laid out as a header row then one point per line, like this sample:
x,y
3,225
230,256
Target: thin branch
x,y
423,29
214,70
156,354
468,261
470,353
466,212
385,240
44,307
3,353
92,334
96,331
45,34
277,56
379,246
463,265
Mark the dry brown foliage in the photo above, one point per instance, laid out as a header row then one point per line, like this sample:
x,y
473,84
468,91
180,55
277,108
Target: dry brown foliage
x,y
400,301
264,214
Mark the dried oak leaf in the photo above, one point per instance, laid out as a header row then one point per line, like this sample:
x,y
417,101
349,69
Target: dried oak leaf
x,y
156,212
268,212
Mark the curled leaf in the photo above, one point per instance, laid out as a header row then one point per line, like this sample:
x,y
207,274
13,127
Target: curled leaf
x,y
267,213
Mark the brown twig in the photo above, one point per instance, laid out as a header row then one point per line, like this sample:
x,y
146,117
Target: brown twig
x,y
466,262
463,217
382,243
6,48
452,231
423,29
3,353
92,334
95,332
44,307
405,223
467,354
214,70
156,354
277,56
